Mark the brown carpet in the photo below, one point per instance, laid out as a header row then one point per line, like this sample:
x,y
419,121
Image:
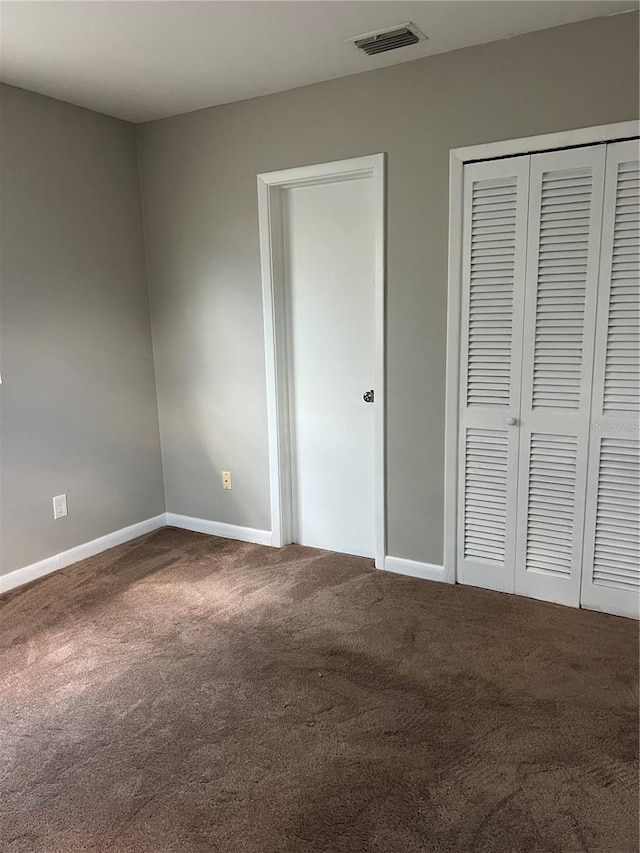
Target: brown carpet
x,y
184,693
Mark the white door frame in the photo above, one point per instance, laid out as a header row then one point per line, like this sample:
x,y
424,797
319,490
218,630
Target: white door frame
x,y
270,187
457,159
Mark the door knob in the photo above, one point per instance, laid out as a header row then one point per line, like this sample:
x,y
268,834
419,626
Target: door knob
x,y
368,396
512,421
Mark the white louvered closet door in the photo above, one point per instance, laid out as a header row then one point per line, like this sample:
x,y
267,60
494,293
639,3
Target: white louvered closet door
x,y
564,226
494,240
611,573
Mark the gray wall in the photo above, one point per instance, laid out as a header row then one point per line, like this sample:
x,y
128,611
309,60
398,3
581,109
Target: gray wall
x,y
79,412
199,195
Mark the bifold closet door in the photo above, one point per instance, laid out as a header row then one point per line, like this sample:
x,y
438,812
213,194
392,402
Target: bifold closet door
x,y
564,227
611,574
494,243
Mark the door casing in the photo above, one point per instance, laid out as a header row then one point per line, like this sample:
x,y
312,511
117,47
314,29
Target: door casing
x,y
270,189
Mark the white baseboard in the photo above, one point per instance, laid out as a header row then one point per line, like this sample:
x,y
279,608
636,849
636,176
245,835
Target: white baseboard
x,y
415,569
80,552
219,528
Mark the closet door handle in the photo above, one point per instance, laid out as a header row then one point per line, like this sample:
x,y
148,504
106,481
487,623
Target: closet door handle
x,y
512,421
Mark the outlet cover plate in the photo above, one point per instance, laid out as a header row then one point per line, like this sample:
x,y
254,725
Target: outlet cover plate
x,y
59,506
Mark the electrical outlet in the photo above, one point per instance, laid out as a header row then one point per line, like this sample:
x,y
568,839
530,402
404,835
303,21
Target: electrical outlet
x,y
60,506
226,480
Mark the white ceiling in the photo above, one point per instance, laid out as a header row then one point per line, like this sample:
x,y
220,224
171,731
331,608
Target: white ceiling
x,y
144,59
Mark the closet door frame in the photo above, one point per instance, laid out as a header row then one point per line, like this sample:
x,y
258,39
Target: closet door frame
x,y
458,157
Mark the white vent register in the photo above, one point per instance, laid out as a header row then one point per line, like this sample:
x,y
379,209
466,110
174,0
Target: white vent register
x,y
391,38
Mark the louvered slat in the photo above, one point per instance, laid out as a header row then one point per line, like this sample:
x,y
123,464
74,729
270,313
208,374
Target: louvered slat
x,y
485,494
617,538
622,364
550,505
563,252
493,226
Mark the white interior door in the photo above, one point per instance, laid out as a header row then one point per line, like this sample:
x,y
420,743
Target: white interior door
x,y
611,570
494,244
565,213
328,233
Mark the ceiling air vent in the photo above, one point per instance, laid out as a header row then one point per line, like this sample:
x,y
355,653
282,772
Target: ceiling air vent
x,y
390,39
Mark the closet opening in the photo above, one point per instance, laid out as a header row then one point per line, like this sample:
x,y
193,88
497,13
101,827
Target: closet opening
x,y
543,372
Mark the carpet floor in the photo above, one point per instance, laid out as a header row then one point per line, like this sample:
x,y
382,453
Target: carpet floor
x,y
183,694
